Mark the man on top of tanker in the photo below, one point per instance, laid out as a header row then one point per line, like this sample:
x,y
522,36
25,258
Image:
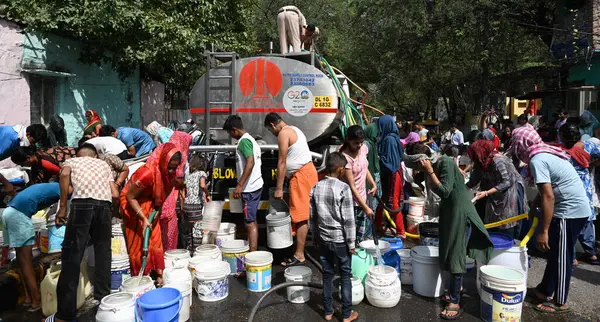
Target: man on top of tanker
x,y
295,164
294,30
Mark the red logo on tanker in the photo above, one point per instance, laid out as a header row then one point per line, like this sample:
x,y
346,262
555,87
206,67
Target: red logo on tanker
x,y
260,80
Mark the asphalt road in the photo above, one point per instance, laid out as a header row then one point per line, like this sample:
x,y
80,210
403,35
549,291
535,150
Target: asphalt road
x,y
584,299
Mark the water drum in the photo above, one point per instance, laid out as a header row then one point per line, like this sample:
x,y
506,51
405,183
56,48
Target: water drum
x,y
429,234
412,224
383,287
279,230
416,206
258,271
235,205
406,273
208,251
212,281
136,286
160,305
427,274
298,294
358,290
502,293
234,253
118,307
226,233
177,258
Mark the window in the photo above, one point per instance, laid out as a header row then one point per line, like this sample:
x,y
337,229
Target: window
x,y
42,97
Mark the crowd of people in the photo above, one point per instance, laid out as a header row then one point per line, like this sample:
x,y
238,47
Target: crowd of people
x,y
381,160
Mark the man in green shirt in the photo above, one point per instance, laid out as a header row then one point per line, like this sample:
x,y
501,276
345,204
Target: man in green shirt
x,y
248,169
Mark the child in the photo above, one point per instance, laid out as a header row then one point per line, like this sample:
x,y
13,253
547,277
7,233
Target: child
x,y
195,195
356,176
249,175
331,212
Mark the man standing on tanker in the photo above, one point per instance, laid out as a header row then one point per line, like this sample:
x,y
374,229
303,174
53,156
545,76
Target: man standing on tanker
x,y
295,163
294,31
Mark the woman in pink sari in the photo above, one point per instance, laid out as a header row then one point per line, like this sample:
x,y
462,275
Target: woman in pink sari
x,y
168,218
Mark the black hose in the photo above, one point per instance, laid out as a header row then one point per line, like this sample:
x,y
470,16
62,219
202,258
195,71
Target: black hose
x,y
275,288
385,207
314,261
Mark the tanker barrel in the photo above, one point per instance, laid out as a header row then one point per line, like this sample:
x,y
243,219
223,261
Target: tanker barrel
x,y
231,148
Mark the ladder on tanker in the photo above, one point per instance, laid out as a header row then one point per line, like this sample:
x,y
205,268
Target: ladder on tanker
x,y
214,82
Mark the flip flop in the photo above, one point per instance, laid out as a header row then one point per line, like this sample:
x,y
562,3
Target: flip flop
x,y
293,261
557,309
591,261
458,311
34,309
446,297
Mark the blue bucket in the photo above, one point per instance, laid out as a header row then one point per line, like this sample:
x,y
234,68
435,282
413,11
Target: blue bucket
x,y
160,305
116,277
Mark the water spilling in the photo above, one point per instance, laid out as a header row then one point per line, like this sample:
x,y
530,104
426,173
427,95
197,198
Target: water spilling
x,y
379,257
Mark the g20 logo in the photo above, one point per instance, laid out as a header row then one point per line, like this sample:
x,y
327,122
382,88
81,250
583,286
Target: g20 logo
x,y
295,95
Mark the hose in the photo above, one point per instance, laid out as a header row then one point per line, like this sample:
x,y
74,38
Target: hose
x,y
147,234
280,286
530,232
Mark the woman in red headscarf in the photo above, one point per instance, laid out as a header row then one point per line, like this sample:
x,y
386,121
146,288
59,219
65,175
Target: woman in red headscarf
x,y
499,183
94,124
146,192
168,218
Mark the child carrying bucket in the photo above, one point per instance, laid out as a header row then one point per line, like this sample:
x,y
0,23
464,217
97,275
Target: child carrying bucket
x,y
332,220
194,197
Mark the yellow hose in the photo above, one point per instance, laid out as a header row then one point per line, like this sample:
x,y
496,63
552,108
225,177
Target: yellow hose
x,y
506,221
529,233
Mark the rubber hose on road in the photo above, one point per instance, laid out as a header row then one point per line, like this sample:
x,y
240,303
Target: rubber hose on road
x,y
314,261
275,288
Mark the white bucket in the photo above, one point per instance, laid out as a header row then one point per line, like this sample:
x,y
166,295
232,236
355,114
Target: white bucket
x,y
259,267
369,246
406,273
427,274
119,271
212,281
211,218
226,233
279,230
298,294
186,293
177,258
501,293
412,224
416,206
383,287
137,288
234,253
209,252
118,307
515,257
235,205
358,290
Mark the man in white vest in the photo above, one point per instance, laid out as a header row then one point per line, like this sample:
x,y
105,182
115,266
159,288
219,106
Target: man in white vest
x,y
249,176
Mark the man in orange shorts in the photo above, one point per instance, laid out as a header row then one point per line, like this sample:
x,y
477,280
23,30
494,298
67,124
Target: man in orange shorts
x,y
295,163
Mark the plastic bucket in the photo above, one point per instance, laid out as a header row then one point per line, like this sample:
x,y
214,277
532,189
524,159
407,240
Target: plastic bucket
x,y
212,216
212,283
370,247
226,233
358,290
406,273
412,224
502,293
177,258
118,307
235,205
160,305
234,253
56,236
209,252
416,206
279,230
427,274
186,294
507,253
119,271
470,264
395,243
383,287
429,234
137,288
258,271
298,294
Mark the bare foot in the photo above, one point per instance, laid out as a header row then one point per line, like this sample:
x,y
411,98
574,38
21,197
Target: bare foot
x,y
328,317
353,316
451,311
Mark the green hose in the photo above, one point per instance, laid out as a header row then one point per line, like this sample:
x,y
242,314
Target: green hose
x,y
147,234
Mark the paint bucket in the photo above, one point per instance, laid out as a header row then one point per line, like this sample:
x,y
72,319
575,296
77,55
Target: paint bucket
x,y
209,252
118,307
370,247
279,230
358,290
235,205
226,233
56,236
119,271
501,293
383,287
412,224
429,234
160,305
177,258
427,274
298,294
258,271
416,206
137,287
507,254
234,252
406,274
212,216
212,283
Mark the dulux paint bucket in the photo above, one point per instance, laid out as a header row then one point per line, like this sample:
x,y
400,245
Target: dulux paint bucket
x,y
501,293
258,271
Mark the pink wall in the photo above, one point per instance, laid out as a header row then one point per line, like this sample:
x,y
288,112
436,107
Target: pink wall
x,y
14,90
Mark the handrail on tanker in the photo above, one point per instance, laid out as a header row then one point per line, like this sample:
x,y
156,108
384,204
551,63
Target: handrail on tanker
x,y
231,148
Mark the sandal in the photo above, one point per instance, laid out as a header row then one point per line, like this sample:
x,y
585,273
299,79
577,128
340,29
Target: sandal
x,y
591,261
447,317
293,261
34,309
543,307
446,297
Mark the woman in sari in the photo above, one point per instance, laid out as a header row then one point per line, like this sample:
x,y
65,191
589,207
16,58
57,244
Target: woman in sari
x,y
168,218
146,192
94,124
